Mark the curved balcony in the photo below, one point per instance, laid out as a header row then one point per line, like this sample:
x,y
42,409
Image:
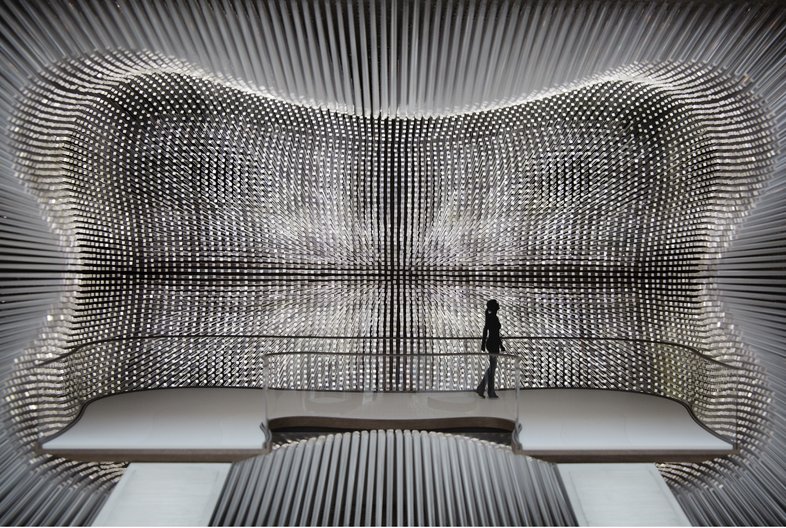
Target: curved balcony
x,y
564,398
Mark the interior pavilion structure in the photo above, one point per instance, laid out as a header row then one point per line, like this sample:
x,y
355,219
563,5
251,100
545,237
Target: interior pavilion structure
x,y
255,240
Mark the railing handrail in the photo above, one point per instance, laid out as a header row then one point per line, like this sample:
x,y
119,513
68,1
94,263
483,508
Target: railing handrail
x,y
81,346
393,354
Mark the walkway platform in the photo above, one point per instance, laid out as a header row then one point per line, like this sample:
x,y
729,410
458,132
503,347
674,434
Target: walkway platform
x,y
220,424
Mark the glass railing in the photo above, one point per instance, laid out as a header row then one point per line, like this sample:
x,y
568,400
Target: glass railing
x,y
332,372
707,388
345,390
117,366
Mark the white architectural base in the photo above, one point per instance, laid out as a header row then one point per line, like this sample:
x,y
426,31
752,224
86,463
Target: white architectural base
x,y
164,495
620,495
219,425
186,425
596,421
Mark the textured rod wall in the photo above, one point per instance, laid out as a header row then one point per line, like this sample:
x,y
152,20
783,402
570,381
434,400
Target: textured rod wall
x,y
190,208
393,478
186,186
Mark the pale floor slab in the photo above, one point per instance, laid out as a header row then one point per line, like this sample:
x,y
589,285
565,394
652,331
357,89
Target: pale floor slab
x,y
580,419
620,495
214,418
169,419
164,494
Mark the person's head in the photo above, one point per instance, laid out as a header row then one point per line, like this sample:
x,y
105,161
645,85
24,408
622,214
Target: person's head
x,y
491,307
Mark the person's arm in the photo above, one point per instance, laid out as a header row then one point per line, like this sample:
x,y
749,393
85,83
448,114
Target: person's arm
x,y
485,336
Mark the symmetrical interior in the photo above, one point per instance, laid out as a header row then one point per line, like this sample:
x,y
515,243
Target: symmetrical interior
x,y
190,210
255,180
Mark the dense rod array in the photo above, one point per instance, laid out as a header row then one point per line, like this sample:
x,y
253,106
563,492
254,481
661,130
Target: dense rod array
x,y
393,478
287,169
192,208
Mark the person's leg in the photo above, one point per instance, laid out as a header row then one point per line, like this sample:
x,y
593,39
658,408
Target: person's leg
x,y
490,375
482,386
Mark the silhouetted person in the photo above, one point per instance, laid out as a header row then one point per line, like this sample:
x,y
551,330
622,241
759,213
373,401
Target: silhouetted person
x,y
492,342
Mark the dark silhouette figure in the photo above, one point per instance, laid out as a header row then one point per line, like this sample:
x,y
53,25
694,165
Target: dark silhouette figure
x,y
492,342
